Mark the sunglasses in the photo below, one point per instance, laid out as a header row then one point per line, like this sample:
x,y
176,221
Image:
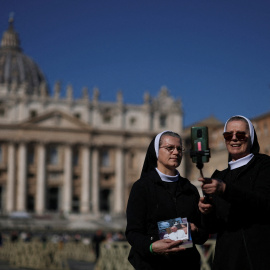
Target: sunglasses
x,y
240,135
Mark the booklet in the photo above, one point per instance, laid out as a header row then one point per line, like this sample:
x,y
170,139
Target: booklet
x,y
176,229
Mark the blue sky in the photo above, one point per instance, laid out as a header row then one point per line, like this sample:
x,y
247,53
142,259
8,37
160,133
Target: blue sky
x,y
213,55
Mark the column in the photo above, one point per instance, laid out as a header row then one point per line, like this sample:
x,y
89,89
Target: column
x,y
10,178
67,185
95,182
119,185
85,186
41,178
21,187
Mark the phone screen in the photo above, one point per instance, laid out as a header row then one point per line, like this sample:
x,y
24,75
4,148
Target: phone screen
x,y
199,142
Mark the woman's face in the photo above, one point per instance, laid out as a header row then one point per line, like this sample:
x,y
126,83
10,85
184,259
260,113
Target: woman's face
x,y
238,148
169,158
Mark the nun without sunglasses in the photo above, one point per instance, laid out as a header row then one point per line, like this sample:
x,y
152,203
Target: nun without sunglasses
x,y
159,195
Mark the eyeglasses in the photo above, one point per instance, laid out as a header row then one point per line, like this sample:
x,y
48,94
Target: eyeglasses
x,y
171,148
240,135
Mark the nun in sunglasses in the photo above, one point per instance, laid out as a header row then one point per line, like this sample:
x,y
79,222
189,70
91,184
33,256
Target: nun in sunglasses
x,y
161,194
238,209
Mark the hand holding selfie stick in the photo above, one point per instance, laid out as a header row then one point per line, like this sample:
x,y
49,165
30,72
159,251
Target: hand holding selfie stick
x,y
199,165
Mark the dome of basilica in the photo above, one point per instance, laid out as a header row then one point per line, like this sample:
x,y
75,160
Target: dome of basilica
x,y
16,67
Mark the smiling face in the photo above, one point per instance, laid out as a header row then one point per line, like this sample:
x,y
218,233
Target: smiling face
x,y
168,161
238,148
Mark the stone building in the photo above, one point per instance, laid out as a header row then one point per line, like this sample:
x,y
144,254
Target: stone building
x,y
60,154
262,126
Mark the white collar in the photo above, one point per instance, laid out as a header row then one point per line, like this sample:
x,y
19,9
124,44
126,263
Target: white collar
x,y
240,162
168,178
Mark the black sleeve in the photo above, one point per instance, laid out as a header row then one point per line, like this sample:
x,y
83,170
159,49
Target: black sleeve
x,y
202,234
136,230
214,221
257,200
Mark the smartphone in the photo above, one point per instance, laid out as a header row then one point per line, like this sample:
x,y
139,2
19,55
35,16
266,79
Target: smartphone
x,y
199,144
207,180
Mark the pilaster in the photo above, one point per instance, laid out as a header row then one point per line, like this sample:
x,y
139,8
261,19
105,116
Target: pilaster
x,y
67,185
85,192
119,185
41,179
10,178
95,182
21,187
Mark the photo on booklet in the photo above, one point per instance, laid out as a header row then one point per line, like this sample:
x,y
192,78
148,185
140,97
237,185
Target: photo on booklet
x,y
176,229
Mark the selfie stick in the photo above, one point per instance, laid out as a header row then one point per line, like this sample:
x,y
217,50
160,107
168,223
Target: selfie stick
x,y
199,164
199,154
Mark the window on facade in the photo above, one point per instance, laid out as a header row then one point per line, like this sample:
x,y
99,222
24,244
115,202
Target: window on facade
x,y
30,175
104,200
162,120
52,199
53,155
132,121
75,204
77,115
31,154
107,118
30,202
33,113
105,158
75,157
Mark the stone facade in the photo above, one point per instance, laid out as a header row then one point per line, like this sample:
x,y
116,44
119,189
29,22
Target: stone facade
x,y
60,154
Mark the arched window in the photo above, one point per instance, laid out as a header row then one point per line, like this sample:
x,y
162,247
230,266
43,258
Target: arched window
x,y
163,120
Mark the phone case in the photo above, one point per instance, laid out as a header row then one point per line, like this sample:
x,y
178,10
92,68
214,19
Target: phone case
x,y
199,144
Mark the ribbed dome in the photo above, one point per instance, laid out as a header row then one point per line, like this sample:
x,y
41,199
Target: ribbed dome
x,y
17,67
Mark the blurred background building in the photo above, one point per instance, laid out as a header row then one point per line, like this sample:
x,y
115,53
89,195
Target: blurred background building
x,y
65,155
58,154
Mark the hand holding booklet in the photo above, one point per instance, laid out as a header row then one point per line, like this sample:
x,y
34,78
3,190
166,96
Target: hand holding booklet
x,y
176,229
